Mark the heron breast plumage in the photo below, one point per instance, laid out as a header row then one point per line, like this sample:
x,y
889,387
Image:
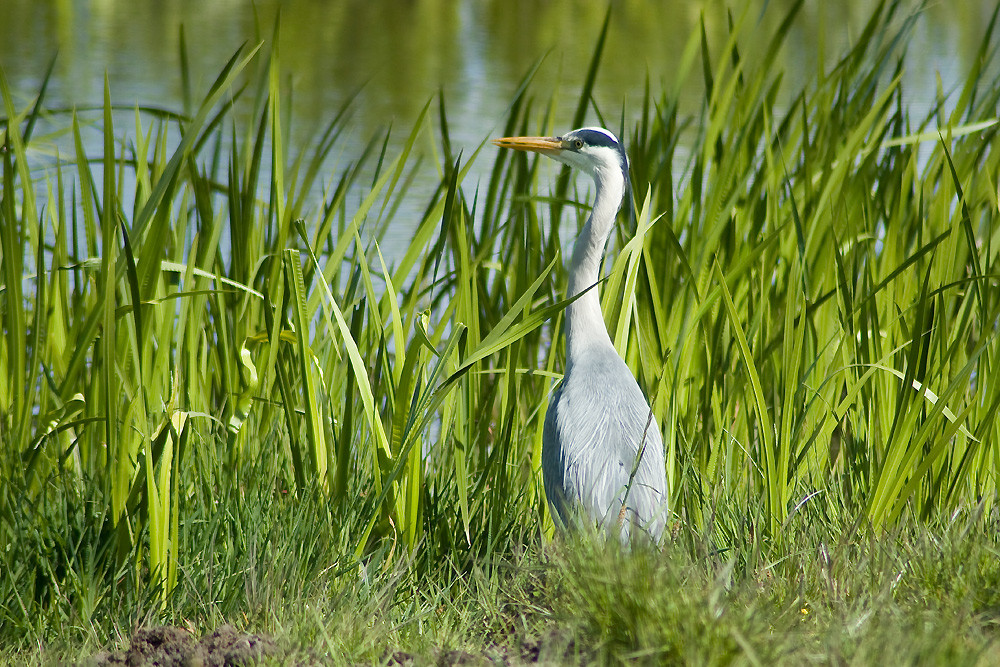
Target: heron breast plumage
x,y
594,429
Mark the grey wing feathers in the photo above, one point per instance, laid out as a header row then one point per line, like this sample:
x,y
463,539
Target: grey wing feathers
x,y
552,464
594,430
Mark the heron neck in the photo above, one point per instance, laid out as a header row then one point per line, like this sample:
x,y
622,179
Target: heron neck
x,y
585,325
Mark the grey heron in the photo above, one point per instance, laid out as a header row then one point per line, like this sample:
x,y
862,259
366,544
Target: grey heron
x,y
602,452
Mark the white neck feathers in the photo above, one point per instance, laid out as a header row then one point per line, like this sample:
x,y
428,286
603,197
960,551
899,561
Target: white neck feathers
x,y
585,325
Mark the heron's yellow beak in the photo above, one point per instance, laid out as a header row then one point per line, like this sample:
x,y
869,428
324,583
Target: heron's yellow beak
x,y
544,145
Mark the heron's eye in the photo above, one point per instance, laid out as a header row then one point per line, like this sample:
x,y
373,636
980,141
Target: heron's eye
x,y
578,144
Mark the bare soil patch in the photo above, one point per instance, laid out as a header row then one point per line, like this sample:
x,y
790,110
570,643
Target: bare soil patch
x,y
167,646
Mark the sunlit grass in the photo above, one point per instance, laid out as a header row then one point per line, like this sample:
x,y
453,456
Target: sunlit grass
x,y
219,401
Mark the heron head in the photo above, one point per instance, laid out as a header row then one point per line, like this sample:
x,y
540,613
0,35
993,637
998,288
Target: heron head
x,y
593,150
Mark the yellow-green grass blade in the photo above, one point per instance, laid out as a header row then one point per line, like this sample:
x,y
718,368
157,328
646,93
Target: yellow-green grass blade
x,y
15,166
333,314
313,403
775,487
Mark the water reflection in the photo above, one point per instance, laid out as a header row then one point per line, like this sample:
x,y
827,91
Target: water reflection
x,y
401,53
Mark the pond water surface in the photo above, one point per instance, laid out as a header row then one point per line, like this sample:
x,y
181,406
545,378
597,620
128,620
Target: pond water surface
x,y
392,57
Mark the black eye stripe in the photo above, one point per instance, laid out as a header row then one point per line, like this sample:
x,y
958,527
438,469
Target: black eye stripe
x,y
595,138
598,138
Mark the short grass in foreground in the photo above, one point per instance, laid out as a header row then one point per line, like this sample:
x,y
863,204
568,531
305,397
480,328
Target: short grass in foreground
x,y
219,404
928,595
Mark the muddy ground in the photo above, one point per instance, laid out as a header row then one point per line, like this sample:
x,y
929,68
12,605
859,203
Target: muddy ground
x,y
168,646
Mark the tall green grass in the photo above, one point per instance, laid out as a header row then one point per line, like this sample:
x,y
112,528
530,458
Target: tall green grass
x,y
216,385
834,307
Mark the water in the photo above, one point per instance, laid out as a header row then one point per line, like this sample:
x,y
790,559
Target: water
x,y
400,54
